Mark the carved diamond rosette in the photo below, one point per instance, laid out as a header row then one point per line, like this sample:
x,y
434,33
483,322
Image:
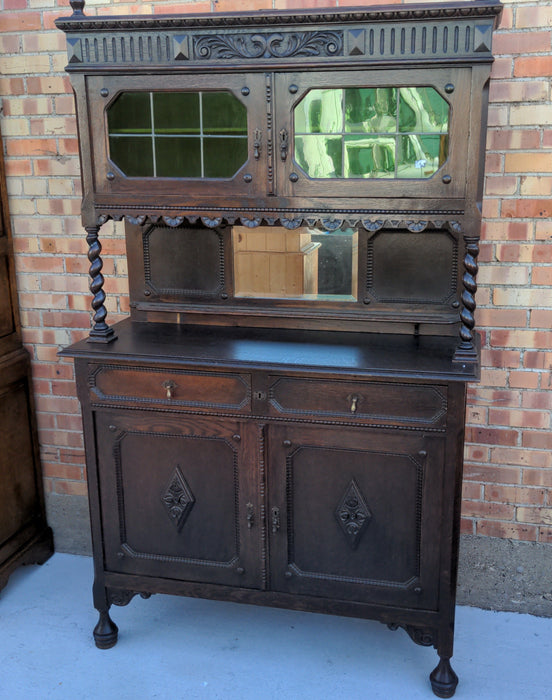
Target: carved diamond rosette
x,y
178,499
353,514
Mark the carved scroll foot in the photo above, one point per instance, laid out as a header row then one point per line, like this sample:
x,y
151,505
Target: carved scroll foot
x,y
443,679
105,632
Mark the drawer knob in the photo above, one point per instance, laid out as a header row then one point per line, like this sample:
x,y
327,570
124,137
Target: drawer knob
x,y
169,387
354,403
240,570
286,443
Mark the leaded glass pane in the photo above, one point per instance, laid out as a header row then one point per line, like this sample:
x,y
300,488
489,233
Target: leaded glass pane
x,y
320,156
178,156
320,112
176,112
178,134
371,110
422,110
130,114
369,156
421,155
369,132
223,114
132,154
223,157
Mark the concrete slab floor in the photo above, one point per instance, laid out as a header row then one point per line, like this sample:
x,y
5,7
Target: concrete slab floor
x,y
183,648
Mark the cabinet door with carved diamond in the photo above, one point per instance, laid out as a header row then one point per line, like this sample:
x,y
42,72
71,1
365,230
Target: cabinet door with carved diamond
x,y
175,498
350,509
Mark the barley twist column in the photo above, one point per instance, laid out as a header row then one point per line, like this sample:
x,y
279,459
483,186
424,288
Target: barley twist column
x,y
466,351
101,332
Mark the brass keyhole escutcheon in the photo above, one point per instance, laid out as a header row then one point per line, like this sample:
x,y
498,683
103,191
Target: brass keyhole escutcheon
x,y
354,403
169,387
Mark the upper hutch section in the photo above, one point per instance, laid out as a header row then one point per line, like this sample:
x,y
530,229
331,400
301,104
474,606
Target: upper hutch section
x,y
343,117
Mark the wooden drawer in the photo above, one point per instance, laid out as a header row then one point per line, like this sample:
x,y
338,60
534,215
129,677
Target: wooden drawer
x,y
377,403
169,387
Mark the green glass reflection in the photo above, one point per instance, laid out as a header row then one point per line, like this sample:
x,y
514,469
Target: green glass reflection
x,y
178,157
223,157
320,156
320,112
371,110
130,114
421,155
371,132
176,112
132,154
223,114
423,110
369,156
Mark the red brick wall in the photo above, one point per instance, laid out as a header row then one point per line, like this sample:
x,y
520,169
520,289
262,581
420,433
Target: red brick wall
x,y
508,470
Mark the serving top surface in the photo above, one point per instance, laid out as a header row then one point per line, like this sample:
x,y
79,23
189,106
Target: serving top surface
x,y
367,354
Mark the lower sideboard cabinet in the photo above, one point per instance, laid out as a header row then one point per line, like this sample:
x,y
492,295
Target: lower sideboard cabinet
x,y
239,483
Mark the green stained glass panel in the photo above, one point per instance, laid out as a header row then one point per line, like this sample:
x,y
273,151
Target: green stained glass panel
x,y
370,156
421,155
132,154
223,157
223,114
130,114
178,157
320,156
371,110
176,112
422,110
320,112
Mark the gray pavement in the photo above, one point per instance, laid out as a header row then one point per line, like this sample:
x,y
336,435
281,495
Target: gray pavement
x,y
182,648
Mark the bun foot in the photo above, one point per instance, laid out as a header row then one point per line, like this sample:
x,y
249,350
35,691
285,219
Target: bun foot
x,y
105,632
443,679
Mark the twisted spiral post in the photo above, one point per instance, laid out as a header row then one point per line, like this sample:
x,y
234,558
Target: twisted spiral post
x,y
101,332
466,349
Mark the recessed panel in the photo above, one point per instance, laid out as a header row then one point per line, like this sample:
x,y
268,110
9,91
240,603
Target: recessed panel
x,y
412,267
194,267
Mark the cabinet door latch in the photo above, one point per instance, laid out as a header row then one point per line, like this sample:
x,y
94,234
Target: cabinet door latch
x,y
275,520
284,143
257,144
250,515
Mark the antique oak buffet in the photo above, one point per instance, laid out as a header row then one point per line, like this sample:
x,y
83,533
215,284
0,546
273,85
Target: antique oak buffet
x,y
281,419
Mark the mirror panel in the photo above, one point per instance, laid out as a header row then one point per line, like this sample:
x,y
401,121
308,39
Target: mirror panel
x,y
271,262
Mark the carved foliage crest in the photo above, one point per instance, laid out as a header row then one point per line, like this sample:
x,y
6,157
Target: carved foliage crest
x,y
275,45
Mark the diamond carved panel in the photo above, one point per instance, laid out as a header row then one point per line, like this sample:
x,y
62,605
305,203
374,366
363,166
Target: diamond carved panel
x,y
353,514
178,499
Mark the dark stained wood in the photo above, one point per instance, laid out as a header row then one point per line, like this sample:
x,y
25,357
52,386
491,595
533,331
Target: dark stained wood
x,y
296,452
25,537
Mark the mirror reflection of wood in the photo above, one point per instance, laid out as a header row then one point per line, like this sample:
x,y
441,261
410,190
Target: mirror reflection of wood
x,y
270,261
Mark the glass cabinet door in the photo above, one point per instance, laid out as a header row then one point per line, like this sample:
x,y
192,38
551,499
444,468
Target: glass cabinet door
x,y
372,134
176,134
